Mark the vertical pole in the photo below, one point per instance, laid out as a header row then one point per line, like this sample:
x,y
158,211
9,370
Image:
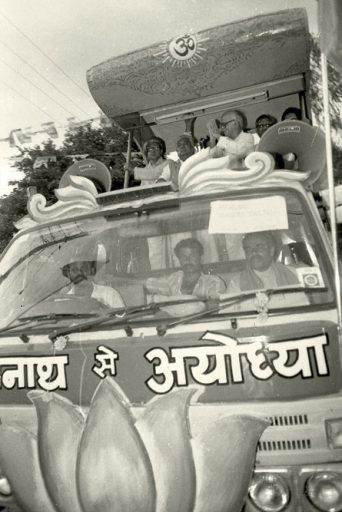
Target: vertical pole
x,y
330,170
128,159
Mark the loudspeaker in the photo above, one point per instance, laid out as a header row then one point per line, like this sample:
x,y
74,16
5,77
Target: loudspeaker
x,y
305,141
94,170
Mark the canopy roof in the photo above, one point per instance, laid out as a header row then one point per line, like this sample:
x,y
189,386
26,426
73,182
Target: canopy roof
x,y
209,64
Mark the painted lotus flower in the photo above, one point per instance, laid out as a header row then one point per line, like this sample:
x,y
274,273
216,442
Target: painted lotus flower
x,y
111,462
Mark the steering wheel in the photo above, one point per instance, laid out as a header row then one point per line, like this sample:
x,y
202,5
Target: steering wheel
x,y
71,304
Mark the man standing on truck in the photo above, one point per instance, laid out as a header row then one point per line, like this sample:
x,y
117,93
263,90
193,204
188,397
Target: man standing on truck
x,y
154,150
262,124
230,139
185,147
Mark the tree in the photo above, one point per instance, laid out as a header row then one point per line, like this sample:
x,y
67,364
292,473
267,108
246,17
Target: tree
x,y
335,97
335,91
335,102
105,144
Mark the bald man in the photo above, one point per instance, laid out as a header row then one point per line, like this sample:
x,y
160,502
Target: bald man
x,y
230,139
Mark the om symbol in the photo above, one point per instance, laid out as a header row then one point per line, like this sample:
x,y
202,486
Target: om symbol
x,y
183,48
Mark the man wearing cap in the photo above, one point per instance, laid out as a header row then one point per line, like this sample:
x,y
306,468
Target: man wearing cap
x,y
81,267
79,273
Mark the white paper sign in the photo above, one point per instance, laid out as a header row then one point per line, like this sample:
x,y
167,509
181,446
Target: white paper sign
x,y
248,215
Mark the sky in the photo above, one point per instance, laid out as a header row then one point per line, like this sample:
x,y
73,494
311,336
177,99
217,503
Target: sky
x,y
75,35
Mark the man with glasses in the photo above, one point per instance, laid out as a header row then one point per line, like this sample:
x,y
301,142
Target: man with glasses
x,y
262,124
230,139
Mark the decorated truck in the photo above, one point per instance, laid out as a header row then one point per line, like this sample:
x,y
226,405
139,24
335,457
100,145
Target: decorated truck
x,y
122,390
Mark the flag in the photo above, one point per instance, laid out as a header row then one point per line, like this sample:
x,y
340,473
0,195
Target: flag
x,y
18,137
330,28
50,129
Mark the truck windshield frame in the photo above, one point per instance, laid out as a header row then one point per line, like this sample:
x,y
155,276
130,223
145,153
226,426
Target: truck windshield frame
x,y
134,254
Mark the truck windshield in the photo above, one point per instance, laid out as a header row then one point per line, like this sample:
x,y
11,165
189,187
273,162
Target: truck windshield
x,y
203,248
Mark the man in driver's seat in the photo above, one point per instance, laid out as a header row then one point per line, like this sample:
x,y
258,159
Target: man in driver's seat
x,y
80,273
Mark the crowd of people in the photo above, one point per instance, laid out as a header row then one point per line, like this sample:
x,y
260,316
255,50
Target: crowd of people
x,y
227,137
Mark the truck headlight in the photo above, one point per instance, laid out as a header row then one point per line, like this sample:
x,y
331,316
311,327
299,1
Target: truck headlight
x,y
269,492
324,490
334,432
5,488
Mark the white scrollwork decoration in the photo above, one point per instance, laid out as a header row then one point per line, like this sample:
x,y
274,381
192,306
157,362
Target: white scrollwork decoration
x,y
202,173
76,198
25,223
280,176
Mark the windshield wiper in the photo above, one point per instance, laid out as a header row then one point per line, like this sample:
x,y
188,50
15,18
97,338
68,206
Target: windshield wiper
x,y
24,322
119,316
122,316
21,315
116,316
55,316
234,299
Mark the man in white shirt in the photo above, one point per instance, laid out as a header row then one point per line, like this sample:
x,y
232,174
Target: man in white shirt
x,y
79,273
154,151
263,272
185,147
230,139
262,124
190,280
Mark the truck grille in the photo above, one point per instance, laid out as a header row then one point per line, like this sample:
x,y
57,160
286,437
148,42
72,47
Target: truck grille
x,y
286,444
297,433
281,445
283,421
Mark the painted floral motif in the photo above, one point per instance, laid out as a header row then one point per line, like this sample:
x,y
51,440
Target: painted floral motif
x,y
108,461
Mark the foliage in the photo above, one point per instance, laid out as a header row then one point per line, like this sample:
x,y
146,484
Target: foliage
x,y
108,143
335,91
105,144
335,101
335,97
